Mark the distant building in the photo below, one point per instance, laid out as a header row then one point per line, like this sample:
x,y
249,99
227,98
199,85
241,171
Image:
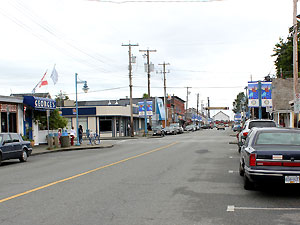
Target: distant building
x,y
221,117
283,99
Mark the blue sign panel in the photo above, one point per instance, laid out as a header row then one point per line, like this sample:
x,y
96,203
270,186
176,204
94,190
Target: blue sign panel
x,y
266,94
149,108
39,103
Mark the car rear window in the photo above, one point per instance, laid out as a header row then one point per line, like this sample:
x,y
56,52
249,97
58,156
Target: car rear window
x,y
276,138
262,124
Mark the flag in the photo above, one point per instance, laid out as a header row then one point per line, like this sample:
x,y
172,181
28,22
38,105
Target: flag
x,y
54,75
41,83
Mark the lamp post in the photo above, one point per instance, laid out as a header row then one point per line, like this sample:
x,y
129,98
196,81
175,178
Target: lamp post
x,y
85,89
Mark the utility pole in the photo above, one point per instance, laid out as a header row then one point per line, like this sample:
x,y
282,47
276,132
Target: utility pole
x,y
130,86
148,67
187,102
165,89
208,105
295,56
197,105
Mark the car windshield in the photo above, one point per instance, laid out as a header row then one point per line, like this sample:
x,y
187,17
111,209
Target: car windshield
x,y
262,124
276,138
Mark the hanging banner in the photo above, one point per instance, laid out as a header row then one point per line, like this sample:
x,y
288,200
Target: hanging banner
x,y
142,109
266,94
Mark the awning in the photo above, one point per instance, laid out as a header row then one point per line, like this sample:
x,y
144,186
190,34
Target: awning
x,y
39,103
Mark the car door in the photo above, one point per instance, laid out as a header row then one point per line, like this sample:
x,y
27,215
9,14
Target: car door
x,y
7,147
16,145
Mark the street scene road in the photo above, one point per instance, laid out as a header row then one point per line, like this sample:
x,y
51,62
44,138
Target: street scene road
x,y
176,180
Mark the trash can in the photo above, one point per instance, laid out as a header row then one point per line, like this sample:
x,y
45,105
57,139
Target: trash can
x,y
50,140
56,141
65,139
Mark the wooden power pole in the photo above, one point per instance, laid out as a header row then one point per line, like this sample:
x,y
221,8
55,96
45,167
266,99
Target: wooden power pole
x,y
130,87
165,90
295,58
148,67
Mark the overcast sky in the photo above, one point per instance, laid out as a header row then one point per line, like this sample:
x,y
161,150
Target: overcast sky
x,y
212,46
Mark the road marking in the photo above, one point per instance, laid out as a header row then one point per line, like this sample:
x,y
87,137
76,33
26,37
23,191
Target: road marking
x,y
233,149
233,157
232,208
85,173
232,171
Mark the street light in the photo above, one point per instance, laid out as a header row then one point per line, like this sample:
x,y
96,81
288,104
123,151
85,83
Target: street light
x,y
85,89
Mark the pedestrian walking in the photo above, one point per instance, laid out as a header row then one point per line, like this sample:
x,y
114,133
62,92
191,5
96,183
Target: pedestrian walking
x,y
72,134
80,132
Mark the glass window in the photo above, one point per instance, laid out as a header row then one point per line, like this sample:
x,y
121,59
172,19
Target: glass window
x,y
6,138
83,121
262,124
15,137
276,138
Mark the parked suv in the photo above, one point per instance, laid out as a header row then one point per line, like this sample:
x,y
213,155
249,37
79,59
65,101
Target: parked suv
x,y
250,124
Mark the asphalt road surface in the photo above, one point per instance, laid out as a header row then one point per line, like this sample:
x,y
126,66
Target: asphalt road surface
x,y
186,179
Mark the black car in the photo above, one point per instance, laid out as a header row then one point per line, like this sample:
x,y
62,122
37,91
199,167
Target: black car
x,y
270,155
12,146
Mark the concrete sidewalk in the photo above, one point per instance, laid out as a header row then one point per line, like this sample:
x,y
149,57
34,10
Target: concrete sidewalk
x,y
43,149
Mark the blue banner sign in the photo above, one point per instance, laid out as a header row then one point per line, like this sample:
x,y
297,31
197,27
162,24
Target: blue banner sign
x,y
266,94
39,103
148,107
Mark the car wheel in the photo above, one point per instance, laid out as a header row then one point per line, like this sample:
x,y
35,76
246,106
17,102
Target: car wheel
x,y
239,148
241,170
24,156
248,185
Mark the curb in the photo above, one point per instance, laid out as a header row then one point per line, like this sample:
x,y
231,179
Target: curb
x,y
70,149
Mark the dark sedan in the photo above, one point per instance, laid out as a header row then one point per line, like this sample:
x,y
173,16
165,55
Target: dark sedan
x,y
12,146
270,155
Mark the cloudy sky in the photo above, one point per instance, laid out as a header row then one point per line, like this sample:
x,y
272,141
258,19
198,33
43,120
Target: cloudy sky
x,y
214,47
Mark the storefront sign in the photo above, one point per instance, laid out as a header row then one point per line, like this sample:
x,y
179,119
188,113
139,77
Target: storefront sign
x,y
39,103
10,108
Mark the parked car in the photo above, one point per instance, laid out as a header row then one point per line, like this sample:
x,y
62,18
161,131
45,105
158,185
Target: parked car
x,y
190,127
270,155
158,130
170,130
250,124
177,127
12,146
220,126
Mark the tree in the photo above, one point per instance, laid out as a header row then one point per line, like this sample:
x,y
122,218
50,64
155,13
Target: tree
x,y
55,120
239,102
145,96
60,97
284,55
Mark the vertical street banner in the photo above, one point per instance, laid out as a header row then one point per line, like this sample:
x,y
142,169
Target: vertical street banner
x,y
266,94
148,108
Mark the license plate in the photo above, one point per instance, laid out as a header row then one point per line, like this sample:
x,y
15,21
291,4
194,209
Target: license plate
x,y
292,179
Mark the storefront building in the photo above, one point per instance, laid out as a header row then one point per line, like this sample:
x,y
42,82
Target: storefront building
x,y
105,118
11,116
31,124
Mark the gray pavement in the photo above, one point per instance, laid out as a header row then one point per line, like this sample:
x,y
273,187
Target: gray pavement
x,y
44,149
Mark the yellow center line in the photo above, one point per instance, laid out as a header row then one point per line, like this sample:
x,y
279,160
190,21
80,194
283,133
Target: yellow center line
x,y
85,173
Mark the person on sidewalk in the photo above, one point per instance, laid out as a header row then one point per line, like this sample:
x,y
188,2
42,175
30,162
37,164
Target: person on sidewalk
x,y
72,134
80,132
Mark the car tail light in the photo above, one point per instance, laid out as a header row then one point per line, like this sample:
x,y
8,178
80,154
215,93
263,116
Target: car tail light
x,y
295,164
252,159
245,134
269,163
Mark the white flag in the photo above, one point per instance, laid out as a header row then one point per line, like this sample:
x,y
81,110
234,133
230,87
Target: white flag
x,y
54,75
